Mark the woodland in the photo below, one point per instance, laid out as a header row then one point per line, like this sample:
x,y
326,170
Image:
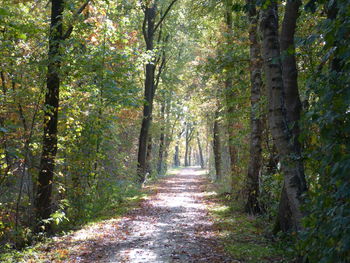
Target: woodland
x,y
99,97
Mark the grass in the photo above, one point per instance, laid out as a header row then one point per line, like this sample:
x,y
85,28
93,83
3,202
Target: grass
x,y
244,237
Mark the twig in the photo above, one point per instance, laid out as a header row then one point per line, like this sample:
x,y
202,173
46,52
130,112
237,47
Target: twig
x,y
71,26
165,14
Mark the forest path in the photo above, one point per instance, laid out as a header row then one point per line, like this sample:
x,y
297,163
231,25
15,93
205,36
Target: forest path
x,y
171,225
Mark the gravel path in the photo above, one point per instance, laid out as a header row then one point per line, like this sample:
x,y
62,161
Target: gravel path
x,y
172,226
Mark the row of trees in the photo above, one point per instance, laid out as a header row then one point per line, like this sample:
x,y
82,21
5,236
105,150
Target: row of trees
x,y
70,99
293,52
255,91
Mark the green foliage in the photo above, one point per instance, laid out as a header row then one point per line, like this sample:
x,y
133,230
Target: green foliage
x,y
100,107
326,236
270,192
245,237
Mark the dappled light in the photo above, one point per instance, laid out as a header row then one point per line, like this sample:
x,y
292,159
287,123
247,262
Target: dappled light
x,y
174,131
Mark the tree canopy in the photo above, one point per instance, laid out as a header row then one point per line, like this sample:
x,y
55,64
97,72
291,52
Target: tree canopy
x,y
97,97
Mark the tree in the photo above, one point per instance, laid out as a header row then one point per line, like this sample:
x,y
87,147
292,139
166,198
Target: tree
x,y
255,159
229,91
149,28
217,146
293,175
201,158
189,131
47,163
51,105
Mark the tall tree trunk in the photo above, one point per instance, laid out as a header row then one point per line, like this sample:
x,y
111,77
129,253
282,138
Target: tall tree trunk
x,y
290,75
188,138
186,147
201,159
176,156
217,146
284,216
149,155
149,28
49,150
292,105
168,134
150,14
161,138
293,176
161,151
177,151
255,159
230,95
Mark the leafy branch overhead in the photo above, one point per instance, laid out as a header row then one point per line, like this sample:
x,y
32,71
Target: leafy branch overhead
x,y
243,104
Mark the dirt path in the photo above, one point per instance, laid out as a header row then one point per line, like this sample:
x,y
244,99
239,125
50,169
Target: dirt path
x,y
172,225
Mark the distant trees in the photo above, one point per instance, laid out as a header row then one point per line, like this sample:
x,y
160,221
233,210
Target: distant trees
x,y
189,133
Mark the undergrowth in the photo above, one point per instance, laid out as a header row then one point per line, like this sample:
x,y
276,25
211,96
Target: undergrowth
x,y
113,207
246,238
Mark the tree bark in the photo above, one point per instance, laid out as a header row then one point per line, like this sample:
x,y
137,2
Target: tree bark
x,y
290,74
177,151
230,94
255,159
292,104
161,139
176,156
186,147
169,134
149,155
284,220
217,146
150,15
201,159
188,139
293,176
49,150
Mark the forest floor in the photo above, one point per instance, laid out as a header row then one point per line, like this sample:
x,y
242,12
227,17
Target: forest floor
x,y
181,220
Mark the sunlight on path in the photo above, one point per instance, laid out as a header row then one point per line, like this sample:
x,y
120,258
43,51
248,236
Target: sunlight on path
x,y
173,226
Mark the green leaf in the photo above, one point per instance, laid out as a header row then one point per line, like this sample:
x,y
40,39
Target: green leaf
x,y
4,12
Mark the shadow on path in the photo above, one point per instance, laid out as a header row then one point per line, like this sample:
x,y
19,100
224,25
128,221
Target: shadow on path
x,y
171,226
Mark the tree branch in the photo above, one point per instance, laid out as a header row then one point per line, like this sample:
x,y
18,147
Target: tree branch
x,y
71,26
165,14
160,32
161,67
145,35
